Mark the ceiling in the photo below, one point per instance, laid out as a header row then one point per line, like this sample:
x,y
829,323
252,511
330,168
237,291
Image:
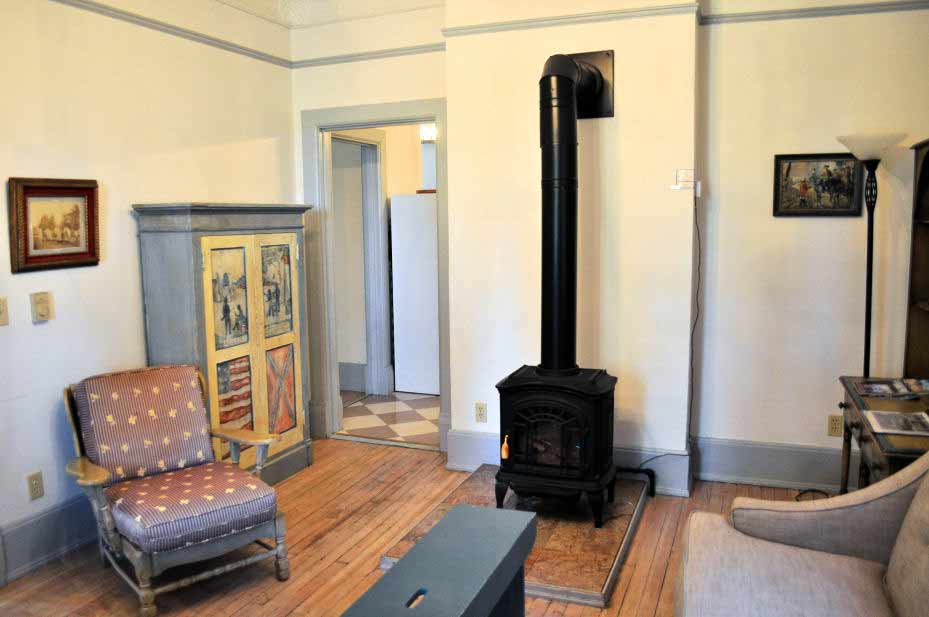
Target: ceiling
x,y
303,13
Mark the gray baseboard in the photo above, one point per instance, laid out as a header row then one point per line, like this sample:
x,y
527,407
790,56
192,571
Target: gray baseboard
x,y
352,376
770,464
32,542
288,463
671,467
468,450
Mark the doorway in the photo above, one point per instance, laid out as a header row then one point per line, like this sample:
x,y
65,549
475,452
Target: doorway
x,y
385,261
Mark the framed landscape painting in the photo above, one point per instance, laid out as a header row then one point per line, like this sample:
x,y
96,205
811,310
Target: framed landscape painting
x,y
817,185
53,224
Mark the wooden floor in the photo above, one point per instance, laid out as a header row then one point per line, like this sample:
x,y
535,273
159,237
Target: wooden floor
x,y
344,512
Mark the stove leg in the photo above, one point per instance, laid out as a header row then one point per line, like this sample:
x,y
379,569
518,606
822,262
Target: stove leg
x,y
595,499
500,490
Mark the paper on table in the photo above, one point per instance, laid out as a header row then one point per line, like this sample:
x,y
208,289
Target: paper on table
x,y
899,423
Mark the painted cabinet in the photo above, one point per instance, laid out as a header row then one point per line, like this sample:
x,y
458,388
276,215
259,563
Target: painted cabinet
x,y
221,289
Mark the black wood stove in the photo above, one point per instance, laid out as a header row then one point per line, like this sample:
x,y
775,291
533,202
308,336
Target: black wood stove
x,y
556,420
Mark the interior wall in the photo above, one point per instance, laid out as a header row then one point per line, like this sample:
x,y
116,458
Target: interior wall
x,y
783,299
635,233
151,117
403,159
349,258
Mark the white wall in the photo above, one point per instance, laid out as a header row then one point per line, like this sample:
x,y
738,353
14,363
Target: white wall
x,y
784,298
152,118
407,29
635,234
349,258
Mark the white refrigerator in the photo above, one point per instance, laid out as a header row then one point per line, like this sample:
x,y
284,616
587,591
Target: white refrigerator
x,y
415,284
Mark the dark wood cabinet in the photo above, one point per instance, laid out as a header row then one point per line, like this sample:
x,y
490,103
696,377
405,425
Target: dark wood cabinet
x,y
916,363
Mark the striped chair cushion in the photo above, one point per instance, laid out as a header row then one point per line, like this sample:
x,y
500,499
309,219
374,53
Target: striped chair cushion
x,y
142,422
181,508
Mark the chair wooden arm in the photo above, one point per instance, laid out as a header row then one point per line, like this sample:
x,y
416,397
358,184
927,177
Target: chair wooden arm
x,y
238,437
87,473
245,436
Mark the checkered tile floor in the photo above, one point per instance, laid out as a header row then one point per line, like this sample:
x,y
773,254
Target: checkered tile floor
x,y
404,417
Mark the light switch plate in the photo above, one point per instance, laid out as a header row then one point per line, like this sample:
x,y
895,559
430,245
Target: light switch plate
x,y
4,312
42,307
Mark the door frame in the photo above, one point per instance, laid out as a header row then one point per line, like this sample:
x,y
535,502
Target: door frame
x,y
379,372
317,125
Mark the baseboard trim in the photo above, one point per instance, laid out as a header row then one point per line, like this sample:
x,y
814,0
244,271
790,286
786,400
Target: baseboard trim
x,y
468,450
352,376
34,541
770,464
288,463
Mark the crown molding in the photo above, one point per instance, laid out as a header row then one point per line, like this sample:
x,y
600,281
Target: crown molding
x,y
412,50
522,24
569,20
714,19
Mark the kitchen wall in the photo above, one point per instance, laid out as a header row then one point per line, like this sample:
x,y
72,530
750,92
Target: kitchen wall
x,y
151,117
783,299
349,258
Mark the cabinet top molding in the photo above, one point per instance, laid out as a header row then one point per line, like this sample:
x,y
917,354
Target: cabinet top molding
x,y
195,217
205,207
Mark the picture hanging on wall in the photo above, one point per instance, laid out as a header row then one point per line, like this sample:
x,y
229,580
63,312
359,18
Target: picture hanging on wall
x,y
817,185
53,224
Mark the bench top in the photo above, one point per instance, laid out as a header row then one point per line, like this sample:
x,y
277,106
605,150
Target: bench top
x,y
460,568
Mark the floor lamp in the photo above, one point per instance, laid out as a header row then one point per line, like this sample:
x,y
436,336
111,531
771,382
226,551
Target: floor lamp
x,y
869,149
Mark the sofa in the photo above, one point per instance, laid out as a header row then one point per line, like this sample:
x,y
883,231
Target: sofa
x,y
862,554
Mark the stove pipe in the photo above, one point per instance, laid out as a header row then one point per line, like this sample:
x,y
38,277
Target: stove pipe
x,y
563,81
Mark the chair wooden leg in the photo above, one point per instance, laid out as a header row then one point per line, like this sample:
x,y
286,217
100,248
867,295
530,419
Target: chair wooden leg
x,y
281,562
103,560
142,564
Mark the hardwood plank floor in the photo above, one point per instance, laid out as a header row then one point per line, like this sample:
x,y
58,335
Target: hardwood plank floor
x,y
344,512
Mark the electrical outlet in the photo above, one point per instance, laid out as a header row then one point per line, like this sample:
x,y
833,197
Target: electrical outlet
x,y
835,425
36,486
4,313
480,411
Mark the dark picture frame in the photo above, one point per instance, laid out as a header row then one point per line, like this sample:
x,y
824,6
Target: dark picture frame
x,y
54,223
817,185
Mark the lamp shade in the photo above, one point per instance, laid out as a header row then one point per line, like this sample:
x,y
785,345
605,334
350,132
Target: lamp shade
x,y
867,147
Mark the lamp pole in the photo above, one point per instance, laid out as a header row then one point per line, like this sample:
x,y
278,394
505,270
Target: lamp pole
x,y
870,199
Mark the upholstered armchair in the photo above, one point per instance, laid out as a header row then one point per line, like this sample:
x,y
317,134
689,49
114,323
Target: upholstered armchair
x,y
863,554
145,460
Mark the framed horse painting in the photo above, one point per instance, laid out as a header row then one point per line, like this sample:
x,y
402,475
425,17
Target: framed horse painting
x,y
53,224
817,185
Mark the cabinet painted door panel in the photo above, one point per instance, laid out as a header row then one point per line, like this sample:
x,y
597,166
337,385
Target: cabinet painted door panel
x,y
253,351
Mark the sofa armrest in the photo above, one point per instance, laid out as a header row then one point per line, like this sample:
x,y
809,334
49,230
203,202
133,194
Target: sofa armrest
x,y
86,473
861,524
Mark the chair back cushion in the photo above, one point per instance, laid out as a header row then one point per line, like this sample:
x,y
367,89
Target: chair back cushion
x,y
907,578
142,422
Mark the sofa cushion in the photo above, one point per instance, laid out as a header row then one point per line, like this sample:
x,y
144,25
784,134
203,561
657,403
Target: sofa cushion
x,y
726,573
180,508
140,422
908,571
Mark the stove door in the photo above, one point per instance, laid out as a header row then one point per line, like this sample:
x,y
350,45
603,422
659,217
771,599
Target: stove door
x,y
548,437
